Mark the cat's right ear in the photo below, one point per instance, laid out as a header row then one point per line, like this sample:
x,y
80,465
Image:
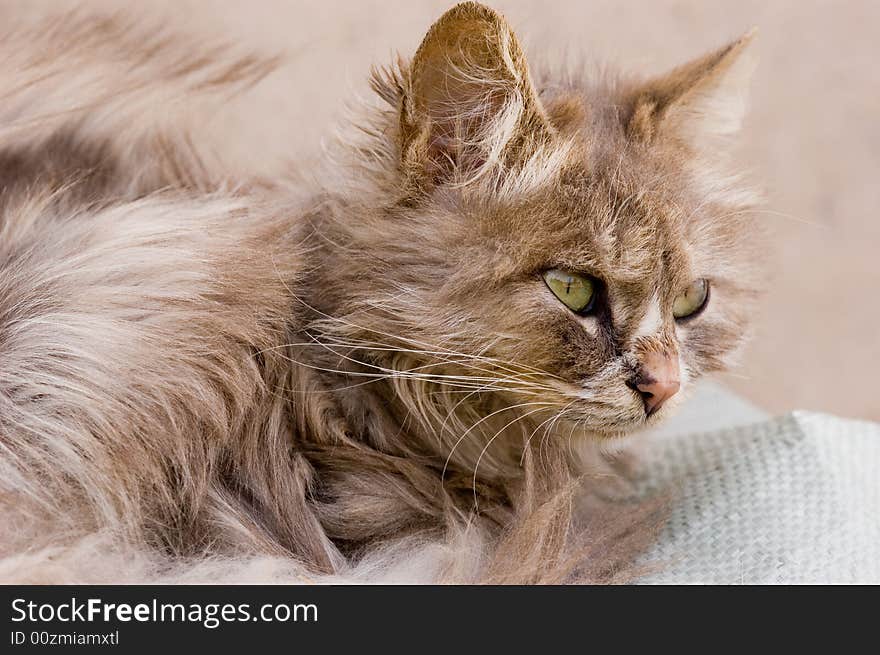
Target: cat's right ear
x,y
469,107
695,103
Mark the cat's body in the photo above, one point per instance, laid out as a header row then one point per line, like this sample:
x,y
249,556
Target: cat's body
x,y
195,368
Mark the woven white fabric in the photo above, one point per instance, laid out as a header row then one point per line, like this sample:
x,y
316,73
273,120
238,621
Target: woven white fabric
x,y
795,499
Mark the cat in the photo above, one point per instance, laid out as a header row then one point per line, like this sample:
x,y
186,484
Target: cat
x,y
206,375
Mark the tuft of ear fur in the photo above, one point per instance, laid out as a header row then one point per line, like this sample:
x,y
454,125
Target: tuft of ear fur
x,y
697,102
469,106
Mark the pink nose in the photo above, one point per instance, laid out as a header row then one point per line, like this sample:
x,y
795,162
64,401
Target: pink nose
x,y
657,380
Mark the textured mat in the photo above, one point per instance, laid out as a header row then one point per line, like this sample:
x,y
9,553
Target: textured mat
x,y
795,499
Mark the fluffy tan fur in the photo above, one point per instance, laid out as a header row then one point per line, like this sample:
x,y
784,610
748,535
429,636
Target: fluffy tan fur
x,y
202,378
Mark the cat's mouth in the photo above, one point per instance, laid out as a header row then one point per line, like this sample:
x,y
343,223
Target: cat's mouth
x,y
628,410
617,427
640,397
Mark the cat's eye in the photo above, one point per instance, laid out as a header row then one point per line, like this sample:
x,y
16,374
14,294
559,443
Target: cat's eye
x,y
692,301
577,292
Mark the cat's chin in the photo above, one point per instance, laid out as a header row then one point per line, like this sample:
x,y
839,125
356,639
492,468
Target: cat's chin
x,y
628,425
611,430
619,432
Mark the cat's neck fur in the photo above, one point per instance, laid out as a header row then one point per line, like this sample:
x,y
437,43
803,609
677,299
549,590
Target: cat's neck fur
x,y
374,412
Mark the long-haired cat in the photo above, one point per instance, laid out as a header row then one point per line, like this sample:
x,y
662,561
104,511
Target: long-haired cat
x,y
209,376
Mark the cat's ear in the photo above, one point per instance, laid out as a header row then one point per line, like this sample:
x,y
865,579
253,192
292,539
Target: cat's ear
x,y
697,102
469,105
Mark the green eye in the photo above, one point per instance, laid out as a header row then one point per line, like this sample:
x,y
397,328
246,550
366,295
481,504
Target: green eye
x,y
575,291
692,300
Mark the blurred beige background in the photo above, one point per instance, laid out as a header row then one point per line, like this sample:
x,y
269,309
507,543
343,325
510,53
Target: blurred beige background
x,y
812,140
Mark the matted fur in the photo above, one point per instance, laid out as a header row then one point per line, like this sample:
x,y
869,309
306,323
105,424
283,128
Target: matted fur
x,y
203,379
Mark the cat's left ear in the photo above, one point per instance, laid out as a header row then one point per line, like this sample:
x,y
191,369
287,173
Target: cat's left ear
x,y
697,102
469,107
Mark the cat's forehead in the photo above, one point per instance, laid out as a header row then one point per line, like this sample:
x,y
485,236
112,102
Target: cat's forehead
x,y
614,210
622,219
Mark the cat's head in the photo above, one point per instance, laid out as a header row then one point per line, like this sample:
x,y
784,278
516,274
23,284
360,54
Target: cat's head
x,y
568,241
